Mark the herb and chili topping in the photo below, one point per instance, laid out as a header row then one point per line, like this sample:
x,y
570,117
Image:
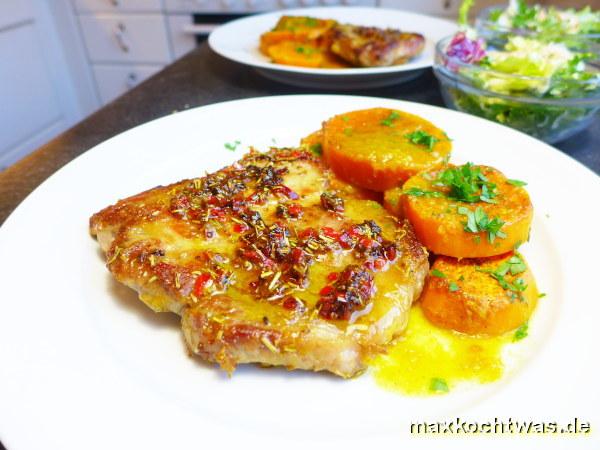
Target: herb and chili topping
x,y
332,202
352,290
278,254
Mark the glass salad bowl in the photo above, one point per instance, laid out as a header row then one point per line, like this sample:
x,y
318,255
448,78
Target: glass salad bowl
x,y
548,93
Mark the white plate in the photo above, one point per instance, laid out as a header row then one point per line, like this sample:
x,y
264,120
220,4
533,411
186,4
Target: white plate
x,y
84,365
239,40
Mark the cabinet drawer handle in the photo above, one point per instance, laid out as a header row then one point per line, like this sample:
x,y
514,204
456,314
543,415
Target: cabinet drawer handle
x,y
132,80
115,3
120,37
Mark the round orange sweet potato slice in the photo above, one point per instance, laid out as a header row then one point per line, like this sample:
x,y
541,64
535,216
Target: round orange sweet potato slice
x,y
480,296
380,148
467,211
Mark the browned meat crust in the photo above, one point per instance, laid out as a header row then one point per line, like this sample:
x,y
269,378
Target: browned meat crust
x,y
375,47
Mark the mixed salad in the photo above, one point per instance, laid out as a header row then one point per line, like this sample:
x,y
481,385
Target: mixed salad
x,y
541,87
546,21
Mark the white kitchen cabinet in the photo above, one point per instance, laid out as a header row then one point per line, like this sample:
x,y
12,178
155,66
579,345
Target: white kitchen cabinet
x,y
115,80
446,8
38,97
140,6
182,38
13,12
131,38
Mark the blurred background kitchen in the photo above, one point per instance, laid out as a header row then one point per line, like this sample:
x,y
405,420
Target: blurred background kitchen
x,y
60,60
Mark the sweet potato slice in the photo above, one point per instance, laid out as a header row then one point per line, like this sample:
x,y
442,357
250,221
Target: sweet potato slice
x,y
293,53
456,213
480,296
313,142
392,201
380,148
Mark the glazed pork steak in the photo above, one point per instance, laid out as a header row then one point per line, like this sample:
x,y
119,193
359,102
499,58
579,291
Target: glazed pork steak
x,y
375,47
271,260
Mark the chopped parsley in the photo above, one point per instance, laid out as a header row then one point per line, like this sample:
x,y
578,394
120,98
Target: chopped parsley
x,y
453,287
478,221
348,131
305,50
345,118
389,120
516,182
468,184
316,149
542,295
438,273
417,192
423,138
515,265
311,22
232,146
521,332
438,385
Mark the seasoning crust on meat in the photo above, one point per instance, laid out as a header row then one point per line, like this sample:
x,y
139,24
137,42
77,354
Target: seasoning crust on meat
x,y
271,260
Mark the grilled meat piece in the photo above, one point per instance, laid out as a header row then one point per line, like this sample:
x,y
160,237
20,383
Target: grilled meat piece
x,y
262,270
375,47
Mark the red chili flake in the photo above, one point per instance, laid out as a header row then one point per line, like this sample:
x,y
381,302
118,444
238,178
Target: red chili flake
x,y
308,232
365,242
297,255
326,290
201,283
254,198
379,263
239,227
333,276
290,303
217,213
252,256
346,241
287,192
390,253
330,232
213,200
295,210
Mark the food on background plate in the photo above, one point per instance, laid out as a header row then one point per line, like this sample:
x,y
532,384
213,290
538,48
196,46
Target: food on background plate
x,y
467,211
375,47
323,43
487,296
380,148
276,260
270,260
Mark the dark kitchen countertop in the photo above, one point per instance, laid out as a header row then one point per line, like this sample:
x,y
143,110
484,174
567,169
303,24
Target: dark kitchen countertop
x,y
197,79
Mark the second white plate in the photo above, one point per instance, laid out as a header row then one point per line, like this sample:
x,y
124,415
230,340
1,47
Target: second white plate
x,y
239,40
